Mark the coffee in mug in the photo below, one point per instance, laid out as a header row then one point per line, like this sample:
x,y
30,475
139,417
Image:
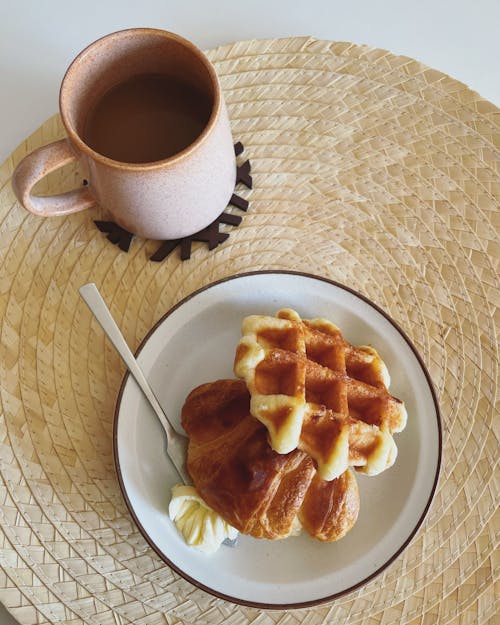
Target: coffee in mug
x,y
147,118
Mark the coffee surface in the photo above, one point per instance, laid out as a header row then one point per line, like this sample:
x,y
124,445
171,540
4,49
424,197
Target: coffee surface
x,y
147,118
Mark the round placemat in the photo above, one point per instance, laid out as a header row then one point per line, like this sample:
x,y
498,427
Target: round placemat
x,y
369,169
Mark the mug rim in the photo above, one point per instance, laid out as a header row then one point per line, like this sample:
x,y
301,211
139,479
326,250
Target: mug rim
x,y
217,100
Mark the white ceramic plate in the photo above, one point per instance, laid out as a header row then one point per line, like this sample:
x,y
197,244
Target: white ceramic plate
x,y
195,343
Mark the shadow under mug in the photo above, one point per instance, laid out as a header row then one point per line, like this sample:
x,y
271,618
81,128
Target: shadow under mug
x,y
164,199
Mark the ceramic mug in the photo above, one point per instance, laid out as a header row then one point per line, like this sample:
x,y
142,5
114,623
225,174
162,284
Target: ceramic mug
x,y
164,199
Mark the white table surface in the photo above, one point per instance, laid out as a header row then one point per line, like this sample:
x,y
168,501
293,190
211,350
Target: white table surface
x,y
39,38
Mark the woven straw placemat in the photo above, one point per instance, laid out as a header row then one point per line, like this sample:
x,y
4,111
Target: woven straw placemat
x,y
369,169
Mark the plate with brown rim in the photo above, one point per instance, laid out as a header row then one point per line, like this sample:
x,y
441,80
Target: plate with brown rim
x,y
194,343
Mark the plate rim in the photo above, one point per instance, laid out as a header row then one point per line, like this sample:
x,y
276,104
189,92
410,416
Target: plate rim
x,y
394,556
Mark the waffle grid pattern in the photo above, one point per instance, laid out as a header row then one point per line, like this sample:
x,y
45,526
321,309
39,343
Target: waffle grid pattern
x,y
316,392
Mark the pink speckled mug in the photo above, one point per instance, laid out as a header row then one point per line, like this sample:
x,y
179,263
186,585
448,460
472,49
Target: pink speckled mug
x,y
154,194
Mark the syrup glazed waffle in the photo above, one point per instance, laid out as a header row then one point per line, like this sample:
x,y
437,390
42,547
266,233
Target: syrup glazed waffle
x,y
315,391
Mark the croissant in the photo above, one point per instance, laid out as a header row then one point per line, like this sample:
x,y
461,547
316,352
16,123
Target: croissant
x,y
255,489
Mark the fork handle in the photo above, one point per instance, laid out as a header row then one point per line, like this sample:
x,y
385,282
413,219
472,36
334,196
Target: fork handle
x,y
97,305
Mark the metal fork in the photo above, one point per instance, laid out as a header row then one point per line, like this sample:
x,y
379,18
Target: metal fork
x,y
176,443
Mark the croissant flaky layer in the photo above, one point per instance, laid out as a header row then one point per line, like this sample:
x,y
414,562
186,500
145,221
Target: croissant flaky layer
x,y
258,491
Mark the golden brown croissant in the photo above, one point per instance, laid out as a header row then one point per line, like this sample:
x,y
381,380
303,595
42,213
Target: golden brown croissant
x,y
258,491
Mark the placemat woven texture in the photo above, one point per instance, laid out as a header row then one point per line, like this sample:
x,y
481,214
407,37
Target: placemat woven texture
x,y
369,169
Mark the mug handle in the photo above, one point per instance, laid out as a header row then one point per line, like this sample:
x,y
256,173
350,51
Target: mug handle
x,y
36,166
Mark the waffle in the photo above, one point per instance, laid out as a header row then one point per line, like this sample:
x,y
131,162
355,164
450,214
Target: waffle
x,y
315,391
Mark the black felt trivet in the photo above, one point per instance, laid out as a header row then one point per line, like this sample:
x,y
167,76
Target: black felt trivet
x,y
210,235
